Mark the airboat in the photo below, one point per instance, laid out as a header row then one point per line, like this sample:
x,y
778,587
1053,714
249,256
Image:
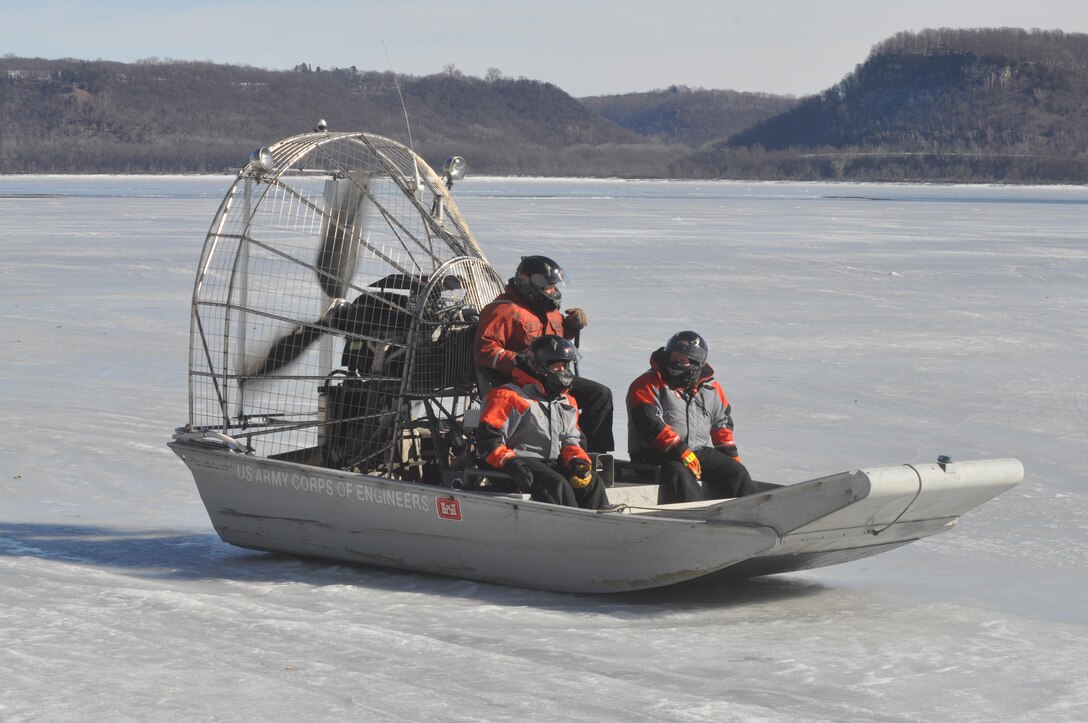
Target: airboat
x,y
332,395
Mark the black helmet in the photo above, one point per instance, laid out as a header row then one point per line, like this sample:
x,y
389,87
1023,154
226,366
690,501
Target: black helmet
x,y
534,275
694,349
544,351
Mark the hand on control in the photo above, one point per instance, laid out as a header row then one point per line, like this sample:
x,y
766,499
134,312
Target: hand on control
x,y
581,473
575,319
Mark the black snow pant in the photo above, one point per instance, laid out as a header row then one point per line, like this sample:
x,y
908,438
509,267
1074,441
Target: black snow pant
x,y
550,485
723,477
594,413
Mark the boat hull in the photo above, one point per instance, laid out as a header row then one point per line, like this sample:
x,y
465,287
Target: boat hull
x,y
273,505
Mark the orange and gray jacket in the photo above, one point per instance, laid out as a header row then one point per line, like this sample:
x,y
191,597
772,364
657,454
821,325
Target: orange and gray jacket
x,y
666,419
518,419
507,325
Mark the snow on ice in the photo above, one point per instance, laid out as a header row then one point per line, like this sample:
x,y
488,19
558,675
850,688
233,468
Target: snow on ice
x,y
852,325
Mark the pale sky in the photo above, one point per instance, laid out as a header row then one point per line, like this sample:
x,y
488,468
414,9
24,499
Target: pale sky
x,y
586,47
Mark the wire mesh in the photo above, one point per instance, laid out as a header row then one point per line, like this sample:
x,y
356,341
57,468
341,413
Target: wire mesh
x,y
334,308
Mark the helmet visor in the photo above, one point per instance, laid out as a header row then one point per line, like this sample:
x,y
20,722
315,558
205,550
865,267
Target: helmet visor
x,y
680,361
548,283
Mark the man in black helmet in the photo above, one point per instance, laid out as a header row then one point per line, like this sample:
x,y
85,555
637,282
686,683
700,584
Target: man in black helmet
x,y
526,310
529,429
679,418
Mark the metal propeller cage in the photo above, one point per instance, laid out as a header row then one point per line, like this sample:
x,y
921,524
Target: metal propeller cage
x,y
334,307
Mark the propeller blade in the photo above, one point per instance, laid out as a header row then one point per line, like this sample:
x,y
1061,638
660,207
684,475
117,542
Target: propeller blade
x,y
291,346
342,228
288,348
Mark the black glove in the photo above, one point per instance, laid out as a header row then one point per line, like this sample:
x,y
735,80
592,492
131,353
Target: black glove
x,y
520,472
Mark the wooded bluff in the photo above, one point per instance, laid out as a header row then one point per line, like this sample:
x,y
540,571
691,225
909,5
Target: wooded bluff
x,y
982,105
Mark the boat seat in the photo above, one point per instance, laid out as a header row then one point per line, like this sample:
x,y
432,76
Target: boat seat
x,y
471,419
633,495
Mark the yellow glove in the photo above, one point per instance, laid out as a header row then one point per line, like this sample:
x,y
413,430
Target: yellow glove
x,y
581,473
689,460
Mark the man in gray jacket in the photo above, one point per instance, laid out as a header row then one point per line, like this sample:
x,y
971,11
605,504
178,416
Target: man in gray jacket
x,y
679,418
529,429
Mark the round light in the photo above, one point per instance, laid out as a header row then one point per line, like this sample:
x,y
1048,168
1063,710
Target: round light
x,y
262,160
455,168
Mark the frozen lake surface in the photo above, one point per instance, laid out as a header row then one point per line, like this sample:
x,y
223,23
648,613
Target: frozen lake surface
x,y
851,325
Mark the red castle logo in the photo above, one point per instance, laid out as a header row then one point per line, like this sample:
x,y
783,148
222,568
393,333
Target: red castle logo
x,y
449,508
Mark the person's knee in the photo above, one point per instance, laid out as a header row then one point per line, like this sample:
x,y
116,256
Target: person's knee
x,y
549,485
540,493
592,392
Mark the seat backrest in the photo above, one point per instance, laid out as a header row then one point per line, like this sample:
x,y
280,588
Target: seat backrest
x,y
471,420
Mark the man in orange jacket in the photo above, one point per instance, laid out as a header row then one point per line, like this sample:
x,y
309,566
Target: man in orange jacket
x,y
529,429
679,418
526,310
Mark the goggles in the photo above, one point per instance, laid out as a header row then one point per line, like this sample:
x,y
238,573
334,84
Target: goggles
x,y
543,281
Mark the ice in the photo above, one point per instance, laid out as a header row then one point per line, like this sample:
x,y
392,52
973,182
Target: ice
x,y
851,325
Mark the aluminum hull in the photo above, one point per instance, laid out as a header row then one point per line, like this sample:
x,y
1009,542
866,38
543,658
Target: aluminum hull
x,y
273,505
